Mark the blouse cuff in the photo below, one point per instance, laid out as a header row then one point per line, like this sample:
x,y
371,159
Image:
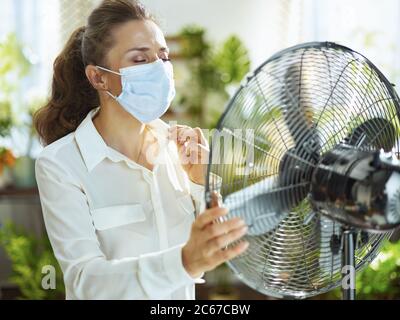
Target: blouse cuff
x,y
197,193
175,270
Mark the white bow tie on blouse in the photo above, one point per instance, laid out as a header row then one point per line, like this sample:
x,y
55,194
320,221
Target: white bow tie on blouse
x,y
117,228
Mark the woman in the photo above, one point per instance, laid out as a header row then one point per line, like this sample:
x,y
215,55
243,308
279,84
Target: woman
x,y
118,206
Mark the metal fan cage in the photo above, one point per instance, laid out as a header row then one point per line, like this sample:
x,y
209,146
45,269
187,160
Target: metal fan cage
x,y
337,90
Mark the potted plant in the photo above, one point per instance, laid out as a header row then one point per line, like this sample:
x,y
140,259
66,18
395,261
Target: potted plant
x,y
24,170
15,114
29,256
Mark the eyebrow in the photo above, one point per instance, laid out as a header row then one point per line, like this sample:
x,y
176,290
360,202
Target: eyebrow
x,y
144,49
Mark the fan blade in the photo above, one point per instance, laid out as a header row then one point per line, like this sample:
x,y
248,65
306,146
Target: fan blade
x,y
376,132
264,204
298,115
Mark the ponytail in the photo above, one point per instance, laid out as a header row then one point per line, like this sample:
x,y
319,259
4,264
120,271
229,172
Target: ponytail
x,y
72,95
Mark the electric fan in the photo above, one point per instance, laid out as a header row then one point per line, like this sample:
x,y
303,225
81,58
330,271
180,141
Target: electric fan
x,y
306,153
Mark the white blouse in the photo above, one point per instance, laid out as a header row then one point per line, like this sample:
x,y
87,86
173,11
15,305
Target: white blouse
x,y
117,229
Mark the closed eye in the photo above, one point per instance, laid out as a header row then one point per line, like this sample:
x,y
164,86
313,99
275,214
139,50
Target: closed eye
x,y
144,60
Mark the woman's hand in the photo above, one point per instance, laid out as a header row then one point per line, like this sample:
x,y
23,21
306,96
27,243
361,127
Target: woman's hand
x,y
206,248
193,151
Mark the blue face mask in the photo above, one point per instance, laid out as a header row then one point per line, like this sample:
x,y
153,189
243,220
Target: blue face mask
x,y
147,89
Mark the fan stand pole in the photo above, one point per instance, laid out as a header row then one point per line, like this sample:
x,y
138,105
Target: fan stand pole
x,y
348,265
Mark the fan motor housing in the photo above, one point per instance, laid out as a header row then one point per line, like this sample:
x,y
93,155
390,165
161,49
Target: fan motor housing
x,y
358,188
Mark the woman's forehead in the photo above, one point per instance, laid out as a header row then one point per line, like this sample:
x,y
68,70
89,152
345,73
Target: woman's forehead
x,y
138,34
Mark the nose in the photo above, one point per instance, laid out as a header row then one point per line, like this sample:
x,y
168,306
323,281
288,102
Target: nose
x,y
154,57
155,53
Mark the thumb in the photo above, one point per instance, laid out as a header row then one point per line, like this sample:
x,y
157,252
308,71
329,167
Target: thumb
x,y
215,200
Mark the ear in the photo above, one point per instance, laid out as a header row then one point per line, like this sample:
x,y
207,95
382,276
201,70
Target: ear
x,y
97,78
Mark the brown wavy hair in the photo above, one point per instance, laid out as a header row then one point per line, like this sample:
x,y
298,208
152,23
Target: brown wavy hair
x,y
72,96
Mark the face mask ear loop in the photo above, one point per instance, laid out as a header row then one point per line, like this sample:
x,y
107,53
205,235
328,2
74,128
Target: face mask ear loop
x,y
105,69
111,95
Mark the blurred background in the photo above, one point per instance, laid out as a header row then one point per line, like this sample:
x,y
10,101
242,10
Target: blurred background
x,y
214,44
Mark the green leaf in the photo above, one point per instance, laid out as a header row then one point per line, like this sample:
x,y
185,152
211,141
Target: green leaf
x,y
193,43
232,61
12,57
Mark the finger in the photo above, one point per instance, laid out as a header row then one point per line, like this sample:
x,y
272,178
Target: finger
x,y
201,138
222,256
209,216
194,139
222,234
214,200
182,149
183,134
187,134
185,156
177,126
189,153
173,131
183,146
173,134
215,230
192,146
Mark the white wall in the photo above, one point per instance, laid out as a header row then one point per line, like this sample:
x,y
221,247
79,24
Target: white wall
x,y
256,22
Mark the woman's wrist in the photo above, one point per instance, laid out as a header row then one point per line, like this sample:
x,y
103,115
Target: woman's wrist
x,y
193,273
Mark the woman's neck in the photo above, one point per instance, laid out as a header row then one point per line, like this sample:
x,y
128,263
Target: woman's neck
x,y
120,130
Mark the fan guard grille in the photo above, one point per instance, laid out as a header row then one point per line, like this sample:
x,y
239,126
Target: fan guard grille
x,y
336,91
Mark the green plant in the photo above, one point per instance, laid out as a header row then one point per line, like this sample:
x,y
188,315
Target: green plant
x,y
232,61
14,64
6,120
212,70
28,255
13,67
381,279
15,112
